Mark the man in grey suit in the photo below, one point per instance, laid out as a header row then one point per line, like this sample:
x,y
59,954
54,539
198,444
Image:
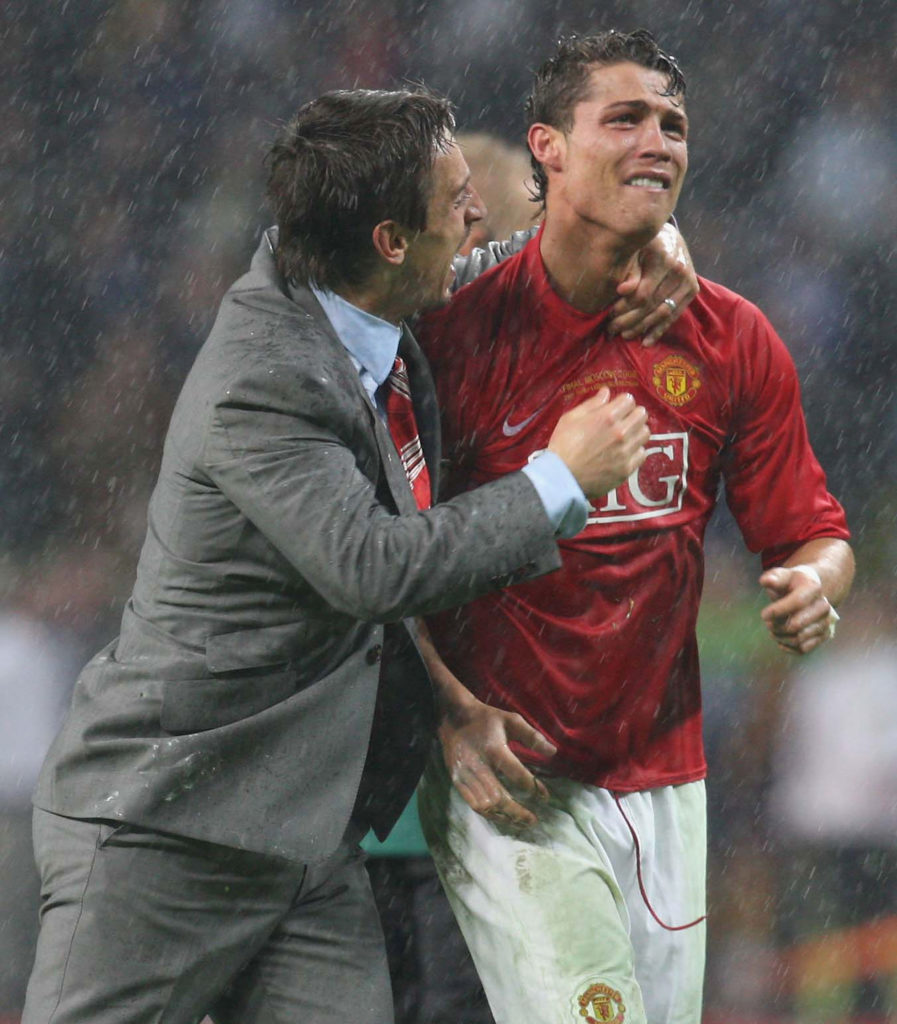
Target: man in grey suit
x,y
197,819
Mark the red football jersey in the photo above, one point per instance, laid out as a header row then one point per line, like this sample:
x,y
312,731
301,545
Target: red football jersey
x,y
601,656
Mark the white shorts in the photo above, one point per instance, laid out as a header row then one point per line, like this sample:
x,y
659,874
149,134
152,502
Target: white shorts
x,y
554,916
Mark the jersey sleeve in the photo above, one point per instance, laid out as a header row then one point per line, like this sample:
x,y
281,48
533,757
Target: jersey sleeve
x,y
775,487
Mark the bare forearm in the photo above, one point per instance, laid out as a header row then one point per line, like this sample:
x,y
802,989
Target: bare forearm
x,y
834,562
475,738
451,694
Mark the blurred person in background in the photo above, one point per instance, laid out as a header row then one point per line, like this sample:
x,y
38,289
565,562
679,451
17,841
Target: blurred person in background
x,y
36,672
52,613
833,808
503,178
582,894
197,818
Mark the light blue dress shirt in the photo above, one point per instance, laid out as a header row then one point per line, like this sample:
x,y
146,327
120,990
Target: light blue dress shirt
x,y
372,345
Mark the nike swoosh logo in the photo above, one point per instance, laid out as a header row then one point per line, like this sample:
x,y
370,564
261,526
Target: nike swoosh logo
x,y
510,431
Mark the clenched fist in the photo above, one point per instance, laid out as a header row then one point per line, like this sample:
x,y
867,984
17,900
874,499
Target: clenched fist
x,y
602,441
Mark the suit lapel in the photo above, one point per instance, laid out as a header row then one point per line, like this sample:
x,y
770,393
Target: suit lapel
x,y
393,470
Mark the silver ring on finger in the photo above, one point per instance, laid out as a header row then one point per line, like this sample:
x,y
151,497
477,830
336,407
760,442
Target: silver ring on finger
x,y
671,303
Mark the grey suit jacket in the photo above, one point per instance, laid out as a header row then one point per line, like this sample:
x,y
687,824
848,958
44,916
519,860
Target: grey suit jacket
x,y
266,683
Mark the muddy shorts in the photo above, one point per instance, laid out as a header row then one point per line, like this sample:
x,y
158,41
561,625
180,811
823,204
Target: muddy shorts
x,y
589,916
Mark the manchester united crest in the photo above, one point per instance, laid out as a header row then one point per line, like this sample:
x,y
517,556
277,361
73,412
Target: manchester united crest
x,y
676,380
601,1004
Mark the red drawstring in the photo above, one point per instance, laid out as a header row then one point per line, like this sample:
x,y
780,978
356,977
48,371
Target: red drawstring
x,y
641,883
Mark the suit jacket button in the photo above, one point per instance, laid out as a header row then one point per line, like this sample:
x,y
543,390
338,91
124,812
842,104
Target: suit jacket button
x,y
374,654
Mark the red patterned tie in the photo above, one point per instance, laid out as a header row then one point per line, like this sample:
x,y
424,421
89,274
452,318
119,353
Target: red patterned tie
x,y
403,427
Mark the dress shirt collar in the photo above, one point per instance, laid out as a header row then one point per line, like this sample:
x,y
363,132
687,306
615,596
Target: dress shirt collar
x,y
371,341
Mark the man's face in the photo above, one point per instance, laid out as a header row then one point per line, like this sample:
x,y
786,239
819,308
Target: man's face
x,y
622,163
453,207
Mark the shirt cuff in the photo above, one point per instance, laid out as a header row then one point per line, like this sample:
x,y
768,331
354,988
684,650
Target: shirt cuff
x,y
565,505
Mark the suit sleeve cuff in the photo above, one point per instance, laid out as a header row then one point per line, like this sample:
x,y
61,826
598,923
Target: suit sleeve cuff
x,y
565,505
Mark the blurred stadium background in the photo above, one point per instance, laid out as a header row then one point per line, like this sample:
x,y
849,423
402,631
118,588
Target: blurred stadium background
x,y
131,170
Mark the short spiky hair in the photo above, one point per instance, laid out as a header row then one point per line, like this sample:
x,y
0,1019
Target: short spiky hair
x,y
562,81
347,161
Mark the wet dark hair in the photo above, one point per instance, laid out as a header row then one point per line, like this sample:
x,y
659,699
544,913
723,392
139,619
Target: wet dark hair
x,y
563,80
345,162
